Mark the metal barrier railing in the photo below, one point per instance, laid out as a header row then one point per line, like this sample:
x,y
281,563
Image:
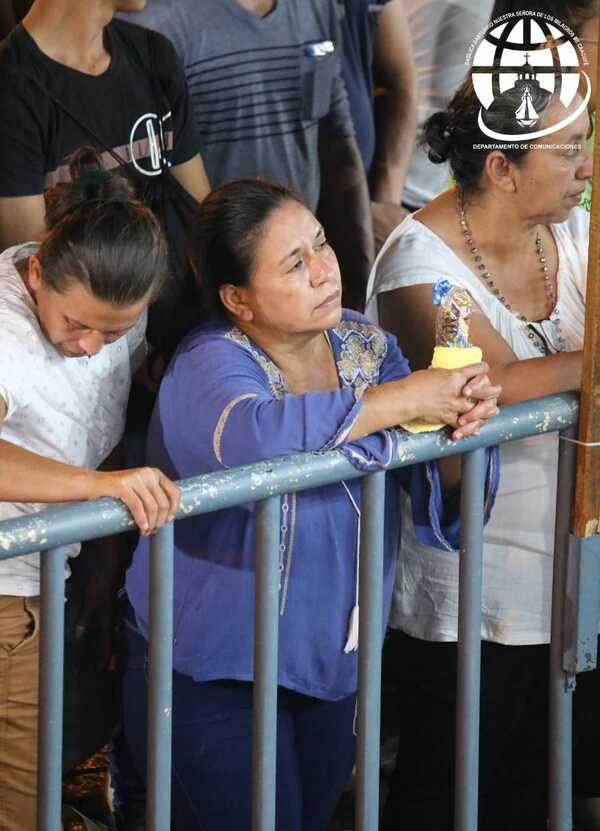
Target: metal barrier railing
x,y
263,483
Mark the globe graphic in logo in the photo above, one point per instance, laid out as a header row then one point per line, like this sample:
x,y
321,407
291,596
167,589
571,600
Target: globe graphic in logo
x,y
520,68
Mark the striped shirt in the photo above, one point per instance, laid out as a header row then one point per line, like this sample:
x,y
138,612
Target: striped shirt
x,y
261,87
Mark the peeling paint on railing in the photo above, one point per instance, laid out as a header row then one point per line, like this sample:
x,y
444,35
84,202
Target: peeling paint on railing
x,y
67,524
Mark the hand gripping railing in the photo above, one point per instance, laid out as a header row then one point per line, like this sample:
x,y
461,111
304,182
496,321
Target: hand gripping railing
x,y
263,483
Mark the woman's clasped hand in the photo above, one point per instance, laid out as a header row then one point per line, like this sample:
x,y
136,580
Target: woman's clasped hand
x,y
463,398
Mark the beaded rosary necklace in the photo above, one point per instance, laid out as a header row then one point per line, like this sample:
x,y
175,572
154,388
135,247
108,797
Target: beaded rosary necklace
x,y
532,333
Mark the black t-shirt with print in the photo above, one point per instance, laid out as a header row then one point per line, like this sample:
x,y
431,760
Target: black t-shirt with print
x,y
48,110
119,107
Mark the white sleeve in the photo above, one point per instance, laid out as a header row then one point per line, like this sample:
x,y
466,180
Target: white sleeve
x,y
11,371
410,257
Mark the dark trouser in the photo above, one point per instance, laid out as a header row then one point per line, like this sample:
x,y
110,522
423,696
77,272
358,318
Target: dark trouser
x,y
513,788
212,752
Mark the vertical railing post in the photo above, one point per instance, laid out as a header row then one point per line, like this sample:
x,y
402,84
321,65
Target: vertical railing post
x,y
51,683
160,680
561,683
469,642
372,508
266,636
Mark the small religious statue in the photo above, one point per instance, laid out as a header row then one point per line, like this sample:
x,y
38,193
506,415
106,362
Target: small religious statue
x,y
453,349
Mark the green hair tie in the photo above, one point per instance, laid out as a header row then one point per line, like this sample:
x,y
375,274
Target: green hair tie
x,y
92,178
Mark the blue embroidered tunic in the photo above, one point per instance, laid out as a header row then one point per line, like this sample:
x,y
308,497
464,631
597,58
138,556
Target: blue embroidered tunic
x,y
223,403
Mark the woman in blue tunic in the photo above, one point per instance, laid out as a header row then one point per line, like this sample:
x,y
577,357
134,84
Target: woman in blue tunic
x,y
281,369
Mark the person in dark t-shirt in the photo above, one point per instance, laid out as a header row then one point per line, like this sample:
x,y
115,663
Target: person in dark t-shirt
x,y
107,86
120,93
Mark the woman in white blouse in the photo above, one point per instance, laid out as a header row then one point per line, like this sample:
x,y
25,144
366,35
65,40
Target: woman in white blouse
x,y
511,234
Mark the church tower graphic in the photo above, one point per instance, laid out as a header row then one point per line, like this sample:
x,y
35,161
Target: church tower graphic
x,y
526,83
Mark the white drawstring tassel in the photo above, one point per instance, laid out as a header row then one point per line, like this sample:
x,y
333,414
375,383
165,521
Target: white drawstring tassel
x,y
352,637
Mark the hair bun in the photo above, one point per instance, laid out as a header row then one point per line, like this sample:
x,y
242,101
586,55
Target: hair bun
x,y
90,183
91,180
439,135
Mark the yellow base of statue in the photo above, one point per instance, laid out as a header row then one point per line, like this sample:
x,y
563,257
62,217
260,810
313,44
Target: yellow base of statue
x,y
446,357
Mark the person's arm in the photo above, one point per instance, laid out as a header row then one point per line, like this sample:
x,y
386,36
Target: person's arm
x,y
28,477
344,210
24,115
22,219
192,176
344,203
434,486
395,79
244,422
409,313
432,395
187,165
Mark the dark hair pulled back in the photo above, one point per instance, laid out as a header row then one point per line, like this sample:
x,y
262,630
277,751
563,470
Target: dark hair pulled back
x,y
100,235
454,135
230,222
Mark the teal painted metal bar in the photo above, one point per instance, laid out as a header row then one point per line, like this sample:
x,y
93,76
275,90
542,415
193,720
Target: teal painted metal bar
x,y
50,720
160,680
372,508
214,491
263,483
561,683
469,642
582,604
266,632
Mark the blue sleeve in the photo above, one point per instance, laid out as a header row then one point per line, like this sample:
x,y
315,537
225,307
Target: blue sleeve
x,y
221,389
240,417
380,448
437,519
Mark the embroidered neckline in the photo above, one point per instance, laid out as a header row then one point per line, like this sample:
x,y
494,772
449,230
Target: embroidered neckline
x,y
363,348
271,370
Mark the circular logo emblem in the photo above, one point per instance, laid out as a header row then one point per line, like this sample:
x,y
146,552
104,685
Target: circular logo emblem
x,y
147,136
520,62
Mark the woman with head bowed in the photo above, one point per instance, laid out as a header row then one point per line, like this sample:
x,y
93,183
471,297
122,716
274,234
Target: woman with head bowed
x,y
72,321
280,369
511,234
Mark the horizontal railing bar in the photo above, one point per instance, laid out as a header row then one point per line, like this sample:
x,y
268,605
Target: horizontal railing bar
x,y
66,524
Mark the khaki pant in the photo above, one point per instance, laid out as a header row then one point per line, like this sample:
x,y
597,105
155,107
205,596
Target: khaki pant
x,y
19,647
